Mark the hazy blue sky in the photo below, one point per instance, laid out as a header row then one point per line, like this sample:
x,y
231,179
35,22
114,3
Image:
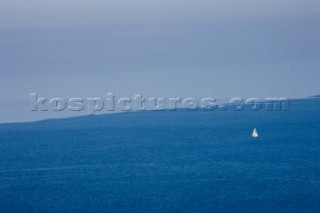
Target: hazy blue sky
x,y
159,48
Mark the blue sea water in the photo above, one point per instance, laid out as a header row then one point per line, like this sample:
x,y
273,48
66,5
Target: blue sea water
x,y
169,161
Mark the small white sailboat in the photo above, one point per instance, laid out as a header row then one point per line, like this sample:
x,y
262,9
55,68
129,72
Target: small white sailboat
x,y
254,133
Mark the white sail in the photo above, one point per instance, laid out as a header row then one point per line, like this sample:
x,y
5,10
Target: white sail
x,y
254,133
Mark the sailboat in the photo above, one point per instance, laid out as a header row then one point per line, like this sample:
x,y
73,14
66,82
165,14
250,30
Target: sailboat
x,y
254,133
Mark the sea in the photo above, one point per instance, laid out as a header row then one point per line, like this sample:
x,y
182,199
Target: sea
x,y
165,161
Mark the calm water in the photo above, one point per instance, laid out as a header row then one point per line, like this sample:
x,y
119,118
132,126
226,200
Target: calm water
x,y
164,162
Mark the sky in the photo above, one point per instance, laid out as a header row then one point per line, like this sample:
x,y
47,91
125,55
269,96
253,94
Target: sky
x,y
176,48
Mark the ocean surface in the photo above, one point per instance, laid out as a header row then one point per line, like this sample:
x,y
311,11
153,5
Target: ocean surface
x,y
168,161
